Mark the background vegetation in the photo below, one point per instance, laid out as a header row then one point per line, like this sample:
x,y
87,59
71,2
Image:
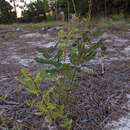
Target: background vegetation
x,y
39,10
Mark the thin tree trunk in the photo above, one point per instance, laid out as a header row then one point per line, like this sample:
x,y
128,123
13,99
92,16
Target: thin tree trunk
x,y
44,12
14,4
74,6
68,10
105,8
56,11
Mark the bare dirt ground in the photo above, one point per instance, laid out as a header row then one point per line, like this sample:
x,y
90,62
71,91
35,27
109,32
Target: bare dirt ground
x,y
102,101
106,98
18,49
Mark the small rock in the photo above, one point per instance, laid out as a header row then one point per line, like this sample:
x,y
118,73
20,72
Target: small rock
x,y
18,29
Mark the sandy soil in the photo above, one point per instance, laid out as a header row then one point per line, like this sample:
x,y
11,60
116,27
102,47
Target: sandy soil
x,y
102,101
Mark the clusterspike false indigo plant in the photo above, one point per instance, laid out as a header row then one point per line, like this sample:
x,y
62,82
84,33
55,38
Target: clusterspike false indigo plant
x,y
66,59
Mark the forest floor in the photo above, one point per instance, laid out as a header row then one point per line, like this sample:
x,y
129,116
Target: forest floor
x,y
103,101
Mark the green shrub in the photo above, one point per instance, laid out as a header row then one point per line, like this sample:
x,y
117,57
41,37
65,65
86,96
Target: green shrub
x,y
6,14
118,17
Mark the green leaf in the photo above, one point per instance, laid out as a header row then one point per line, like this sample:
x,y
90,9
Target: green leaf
x,y
67,124
27,80
45,61
62,34
48,53
40,76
